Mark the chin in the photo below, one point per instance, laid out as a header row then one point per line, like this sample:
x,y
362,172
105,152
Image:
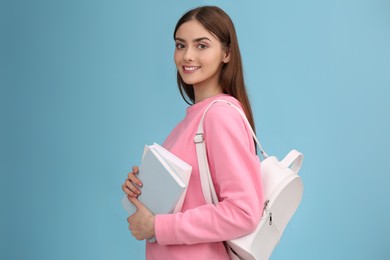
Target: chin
x,y
188,82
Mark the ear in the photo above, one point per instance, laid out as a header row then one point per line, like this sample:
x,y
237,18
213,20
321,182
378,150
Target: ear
x,y
226,56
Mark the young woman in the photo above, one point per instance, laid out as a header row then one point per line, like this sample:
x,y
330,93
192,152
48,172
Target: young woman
x,y
209,67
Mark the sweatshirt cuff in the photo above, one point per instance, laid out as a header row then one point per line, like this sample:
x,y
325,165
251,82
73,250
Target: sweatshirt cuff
x,y
164,231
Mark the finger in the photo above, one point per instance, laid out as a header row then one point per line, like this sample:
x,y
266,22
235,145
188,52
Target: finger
x,y
131,176
128,192
132,187
129,188
134,192
135,169
130,227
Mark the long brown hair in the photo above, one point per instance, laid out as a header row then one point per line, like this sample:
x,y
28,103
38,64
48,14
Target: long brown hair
x,y
231,78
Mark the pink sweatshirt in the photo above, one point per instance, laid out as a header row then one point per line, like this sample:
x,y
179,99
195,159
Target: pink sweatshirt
x,y
197,231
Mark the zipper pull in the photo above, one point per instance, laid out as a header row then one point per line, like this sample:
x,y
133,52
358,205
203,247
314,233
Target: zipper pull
x,y
266,212
265,208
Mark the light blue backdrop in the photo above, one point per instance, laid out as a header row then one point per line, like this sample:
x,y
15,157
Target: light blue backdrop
x,y
85,84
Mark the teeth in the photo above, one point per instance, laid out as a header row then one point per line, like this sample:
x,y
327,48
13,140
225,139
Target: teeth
x,y
191,68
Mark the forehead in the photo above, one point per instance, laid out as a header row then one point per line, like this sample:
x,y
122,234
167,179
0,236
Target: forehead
x,y
193,30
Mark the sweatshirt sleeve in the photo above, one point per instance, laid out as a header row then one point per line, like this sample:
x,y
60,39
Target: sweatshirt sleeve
x,y
235,170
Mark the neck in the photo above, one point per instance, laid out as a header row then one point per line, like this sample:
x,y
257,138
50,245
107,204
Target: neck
x,y
207,89
201,93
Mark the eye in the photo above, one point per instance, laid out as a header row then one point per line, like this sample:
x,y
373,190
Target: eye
x,y
179,45
202,46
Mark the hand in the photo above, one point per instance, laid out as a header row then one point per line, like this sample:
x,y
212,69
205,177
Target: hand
x,y
141,223
128,187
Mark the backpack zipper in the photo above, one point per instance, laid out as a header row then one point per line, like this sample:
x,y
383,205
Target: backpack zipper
x,y
267,212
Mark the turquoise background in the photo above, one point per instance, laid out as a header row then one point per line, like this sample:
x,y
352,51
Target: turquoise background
x,y
85,84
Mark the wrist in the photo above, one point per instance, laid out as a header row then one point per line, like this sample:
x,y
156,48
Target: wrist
x,y
151,233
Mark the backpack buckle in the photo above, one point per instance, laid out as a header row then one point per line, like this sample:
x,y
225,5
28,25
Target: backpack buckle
x,y
199,138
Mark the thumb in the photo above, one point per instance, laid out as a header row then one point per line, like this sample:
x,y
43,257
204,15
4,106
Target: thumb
x,y
138,204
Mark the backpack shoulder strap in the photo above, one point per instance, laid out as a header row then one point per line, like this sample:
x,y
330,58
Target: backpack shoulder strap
x,y
200,132
204,170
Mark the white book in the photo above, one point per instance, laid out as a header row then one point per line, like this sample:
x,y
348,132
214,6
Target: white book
x,y
165,179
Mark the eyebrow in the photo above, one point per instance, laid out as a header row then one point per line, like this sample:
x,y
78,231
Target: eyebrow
x,y
195,40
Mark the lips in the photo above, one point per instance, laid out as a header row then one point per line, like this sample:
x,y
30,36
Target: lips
x,y
190,69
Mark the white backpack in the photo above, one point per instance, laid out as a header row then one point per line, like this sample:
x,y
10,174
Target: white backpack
x,y
282,187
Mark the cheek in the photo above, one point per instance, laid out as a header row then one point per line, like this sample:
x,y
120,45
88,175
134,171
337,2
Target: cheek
x,y
211,58
211,62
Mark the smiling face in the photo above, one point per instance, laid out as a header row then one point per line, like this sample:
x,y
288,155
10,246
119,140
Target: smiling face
x,y
199,57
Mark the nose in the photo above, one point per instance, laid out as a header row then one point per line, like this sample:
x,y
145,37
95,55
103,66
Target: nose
x,y
188,55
